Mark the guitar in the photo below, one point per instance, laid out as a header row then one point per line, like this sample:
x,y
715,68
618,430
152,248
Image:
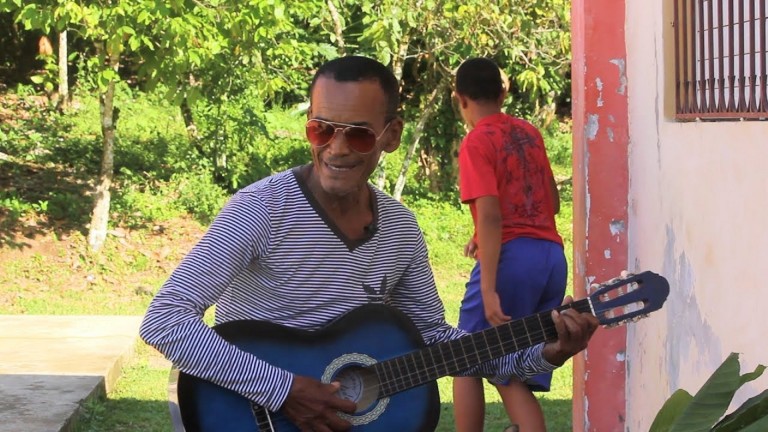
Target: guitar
x,y
379,358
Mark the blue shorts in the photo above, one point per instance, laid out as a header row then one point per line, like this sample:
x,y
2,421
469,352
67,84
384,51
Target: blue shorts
x,y
531,278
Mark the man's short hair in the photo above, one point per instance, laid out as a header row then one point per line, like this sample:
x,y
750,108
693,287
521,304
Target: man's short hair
x,y
359,68
479,79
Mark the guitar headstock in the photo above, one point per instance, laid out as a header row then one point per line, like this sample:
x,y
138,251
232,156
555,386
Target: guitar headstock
x,y
628,298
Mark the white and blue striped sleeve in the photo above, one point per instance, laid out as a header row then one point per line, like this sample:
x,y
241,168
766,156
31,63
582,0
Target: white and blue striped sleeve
x,y
174,323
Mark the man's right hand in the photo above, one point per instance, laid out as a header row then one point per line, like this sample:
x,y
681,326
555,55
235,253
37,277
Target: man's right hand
x,y
313,406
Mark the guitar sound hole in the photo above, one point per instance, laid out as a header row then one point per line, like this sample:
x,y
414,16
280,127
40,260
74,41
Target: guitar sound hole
x,y
358,384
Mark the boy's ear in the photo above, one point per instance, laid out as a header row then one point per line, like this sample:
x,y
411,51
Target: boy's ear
x,y
463,100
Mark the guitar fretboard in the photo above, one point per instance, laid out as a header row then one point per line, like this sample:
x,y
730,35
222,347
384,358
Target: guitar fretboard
x,y
449,358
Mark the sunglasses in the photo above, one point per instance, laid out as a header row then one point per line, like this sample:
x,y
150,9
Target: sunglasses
x,y
361,139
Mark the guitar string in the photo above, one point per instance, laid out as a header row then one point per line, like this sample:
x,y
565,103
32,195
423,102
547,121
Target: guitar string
x,y
495,350
491,350
513,327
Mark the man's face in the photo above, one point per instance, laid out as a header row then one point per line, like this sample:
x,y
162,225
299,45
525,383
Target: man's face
x,y
340,169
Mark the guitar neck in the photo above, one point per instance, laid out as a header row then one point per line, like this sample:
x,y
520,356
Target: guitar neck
x,y
449,358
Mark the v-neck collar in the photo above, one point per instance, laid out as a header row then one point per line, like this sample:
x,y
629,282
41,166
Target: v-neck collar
x,y
351,244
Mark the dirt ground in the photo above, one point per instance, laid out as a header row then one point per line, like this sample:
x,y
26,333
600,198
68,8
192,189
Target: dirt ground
x,y
47,267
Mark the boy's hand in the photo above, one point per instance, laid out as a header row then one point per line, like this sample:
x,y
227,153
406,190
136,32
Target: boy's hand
x,y
470,250
492,307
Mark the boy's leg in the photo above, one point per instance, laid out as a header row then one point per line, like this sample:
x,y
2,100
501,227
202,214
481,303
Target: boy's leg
x,y
468,404
468,392
524,283
522,407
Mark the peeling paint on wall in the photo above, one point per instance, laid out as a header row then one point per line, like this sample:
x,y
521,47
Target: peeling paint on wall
x,y
580,264
587,204
617,227
607,254
688,328
610,134
621,356
599,84
622,65
593,125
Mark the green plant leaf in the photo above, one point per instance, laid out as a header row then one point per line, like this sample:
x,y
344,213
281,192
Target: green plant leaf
x,y
712,400
758,426
752,411
671,409
747,377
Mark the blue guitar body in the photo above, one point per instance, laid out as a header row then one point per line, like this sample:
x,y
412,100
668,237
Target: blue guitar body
x,y
378,356
363,336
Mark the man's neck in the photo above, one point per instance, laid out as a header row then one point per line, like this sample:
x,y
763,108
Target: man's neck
x,y
351,203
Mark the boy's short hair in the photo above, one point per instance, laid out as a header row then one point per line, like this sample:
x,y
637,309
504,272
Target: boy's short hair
x,y
479,79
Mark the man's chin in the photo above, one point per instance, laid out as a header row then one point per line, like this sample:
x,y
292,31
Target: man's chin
x,y
339,191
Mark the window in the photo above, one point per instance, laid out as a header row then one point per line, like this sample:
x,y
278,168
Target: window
x,y
721,59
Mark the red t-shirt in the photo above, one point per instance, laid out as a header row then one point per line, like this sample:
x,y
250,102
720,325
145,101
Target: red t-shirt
x,y
504,156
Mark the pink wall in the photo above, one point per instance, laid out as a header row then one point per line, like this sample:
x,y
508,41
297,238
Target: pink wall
x,y
698,214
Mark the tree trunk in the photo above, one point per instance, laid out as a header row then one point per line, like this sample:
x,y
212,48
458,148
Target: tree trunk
x,y
381,173
63,72
191,126
397,70
97,232
338,29
189,121
434,99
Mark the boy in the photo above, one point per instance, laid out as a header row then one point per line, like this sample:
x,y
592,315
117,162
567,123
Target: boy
x,y
506,179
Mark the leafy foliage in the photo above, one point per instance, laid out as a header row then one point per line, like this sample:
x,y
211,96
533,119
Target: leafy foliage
x,y
158,178
225,65
704,411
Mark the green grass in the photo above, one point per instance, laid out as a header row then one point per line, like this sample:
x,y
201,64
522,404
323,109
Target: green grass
x,y
123,280
47,268
446,230
139,401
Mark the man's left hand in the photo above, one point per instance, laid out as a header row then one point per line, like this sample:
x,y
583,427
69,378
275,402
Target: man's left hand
x,y
574,329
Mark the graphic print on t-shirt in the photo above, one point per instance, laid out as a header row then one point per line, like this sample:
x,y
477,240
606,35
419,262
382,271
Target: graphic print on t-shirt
x,y
523,177
374,295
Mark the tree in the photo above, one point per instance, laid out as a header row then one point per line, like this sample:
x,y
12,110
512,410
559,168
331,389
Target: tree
x,y
63,71
196,48
426,40
213,54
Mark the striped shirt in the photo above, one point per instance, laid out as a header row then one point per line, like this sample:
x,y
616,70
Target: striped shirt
x,y
272,254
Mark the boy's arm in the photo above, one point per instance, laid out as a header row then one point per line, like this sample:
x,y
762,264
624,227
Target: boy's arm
x,y
489,245
555,194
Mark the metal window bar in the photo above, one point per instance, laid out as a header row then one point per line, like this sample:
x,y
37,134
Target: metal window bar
x,y
721,59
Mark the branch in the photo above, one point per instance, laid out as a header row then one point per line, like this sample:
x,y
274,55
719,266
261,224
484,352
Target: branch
x,y
337,26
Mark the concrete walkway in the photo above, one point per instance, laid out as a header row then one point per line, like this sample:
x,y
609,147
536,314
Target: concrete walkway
x,y
49,365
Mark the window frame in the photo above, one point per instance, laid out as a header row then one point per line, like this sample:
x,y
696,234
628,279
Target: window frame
x,y
721,59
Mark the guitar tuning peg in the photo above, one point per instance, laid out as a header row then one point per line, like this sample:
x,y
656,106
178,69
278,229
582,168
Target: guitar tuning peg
x,y
626,274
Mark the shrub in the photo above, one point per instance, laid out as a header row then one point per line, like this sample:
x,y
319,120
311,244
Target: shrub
x,y
198,194
704,412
